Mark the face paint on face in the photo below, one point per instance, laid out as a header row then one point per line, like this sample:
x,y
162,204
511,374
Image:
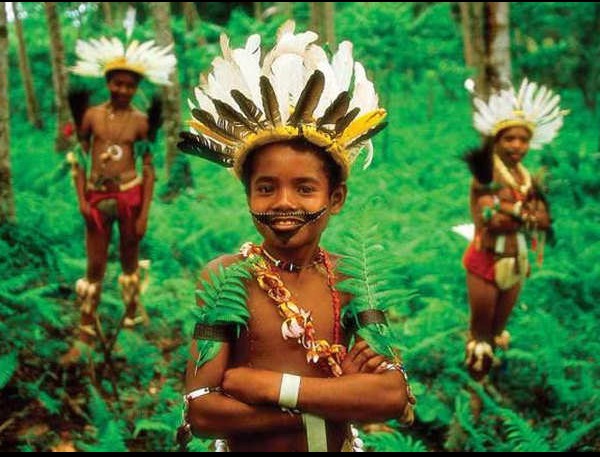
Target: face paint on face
x,y
285,224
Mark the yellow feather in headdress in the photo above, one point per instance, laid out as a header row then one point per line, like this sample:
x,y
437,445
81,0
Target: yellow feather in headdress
x,y
362,125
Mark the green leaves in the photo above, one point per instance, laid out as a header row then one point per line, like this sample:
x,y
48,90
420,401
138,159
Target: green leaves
x,y
371,280
8,366
223,300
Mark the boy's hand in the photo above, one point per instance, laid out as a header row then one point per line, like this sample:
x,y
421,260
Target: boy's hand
x,y
362,359
141,225
85,210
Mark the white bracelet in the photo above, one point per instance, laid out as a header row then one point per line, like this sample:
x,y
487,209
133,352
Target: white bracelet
x,y
288,392
200,393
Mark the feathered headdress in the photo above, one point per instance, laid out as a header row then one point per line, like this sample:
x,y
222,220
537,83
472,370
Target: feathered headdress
x,y
533,107
99,56
294,92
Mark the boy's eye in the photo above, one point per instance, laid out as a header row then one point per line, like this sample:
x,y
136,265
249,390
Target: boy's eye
x,y
305,189
264,188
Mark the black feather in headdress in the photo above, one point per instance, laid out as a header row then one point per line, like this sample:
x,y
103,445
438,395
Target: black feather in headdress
x,y
155,118
79,102
336,110
203,147
480,161
308,100
270,104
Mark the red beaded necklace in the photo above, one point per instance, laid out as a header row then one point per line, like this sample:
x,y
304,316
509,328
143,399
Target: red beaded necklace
x,y
298,323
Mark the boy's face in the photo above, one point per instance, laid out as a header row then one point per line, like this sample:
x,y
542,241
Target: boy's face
x,y
513,144
290,196
122,86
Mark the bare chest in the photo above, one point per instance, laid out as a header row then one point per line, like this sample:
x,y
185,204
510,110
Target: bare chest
x,y
264,346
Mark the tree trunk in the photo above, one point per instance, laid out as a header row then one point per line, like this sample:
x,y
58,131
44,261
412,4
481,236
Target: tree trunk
x,y
288,9
190,13
33,109
467,32
316,18
59,77
486,39
498,52
107,13
192,20
171,96
258,11
329,24
7,203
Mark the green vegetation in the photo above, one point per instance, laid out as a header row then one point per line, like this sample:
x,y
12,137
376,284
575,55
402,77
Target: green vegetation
x,y
546,395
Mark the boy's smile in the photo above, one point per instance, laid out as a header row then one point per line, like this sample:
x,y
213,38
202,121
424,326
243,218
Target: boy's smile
x,y
290,195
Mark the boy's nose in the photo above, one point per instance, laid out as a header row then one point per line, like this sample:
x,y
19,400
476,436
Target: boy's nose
x,y
285,200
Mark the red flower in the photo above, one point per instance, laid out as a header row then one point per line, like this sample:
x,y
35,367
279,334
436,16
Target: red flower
x,y
68,129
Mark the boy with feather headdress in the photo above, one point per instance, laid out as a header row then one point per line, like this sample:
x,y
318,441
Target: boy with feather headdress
x,y
270,369
113,134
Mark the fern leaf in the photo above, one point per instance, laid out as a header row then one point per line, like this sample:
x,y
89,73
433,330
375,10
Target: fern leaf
x,y
8,366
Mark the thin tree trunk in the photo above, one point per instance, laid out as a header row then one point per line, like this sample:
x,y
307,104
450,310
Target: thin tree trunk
x,y
498,55
468,51
107,13
258,11
190,13
329,24
33,109
316,18
288,9
486,39
59,77
171,94
192,19
7,203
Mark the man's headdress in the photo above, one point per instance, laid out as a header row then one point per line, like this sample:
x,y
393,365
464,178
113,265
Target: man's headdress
x,y
99,56
294,92
533,107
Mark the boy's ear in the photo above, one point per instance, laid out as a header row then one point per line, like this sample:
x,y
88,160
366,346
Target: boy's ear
x,y
338,198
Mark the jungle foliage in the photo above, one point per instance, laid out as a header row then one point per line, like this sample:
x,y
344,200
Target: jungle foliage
x,y
545,394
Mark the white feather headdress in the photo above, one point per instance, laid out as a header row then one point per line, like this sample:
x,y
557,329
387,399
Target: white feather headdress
x,y
294,92
99,56
533,107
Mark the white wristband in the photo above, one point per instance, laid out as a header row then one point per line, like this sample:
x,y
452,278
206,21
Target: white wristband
x,y
288,392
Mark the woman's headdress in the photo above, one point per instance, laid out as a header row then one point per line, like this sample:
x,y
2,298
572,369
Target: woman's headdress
x,y
99,56
293,92
534,107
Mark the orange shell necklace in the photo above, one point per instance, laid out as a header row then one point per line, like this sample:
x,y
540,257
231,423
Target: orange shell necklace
x,y
297,322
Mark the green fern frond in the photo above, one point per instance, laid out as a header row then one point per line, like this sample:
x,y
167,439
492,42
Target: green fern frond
x,y
393,441
223,298
111,439
567,440
100,414
8,366
477,437
148,425
522,438
371,280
